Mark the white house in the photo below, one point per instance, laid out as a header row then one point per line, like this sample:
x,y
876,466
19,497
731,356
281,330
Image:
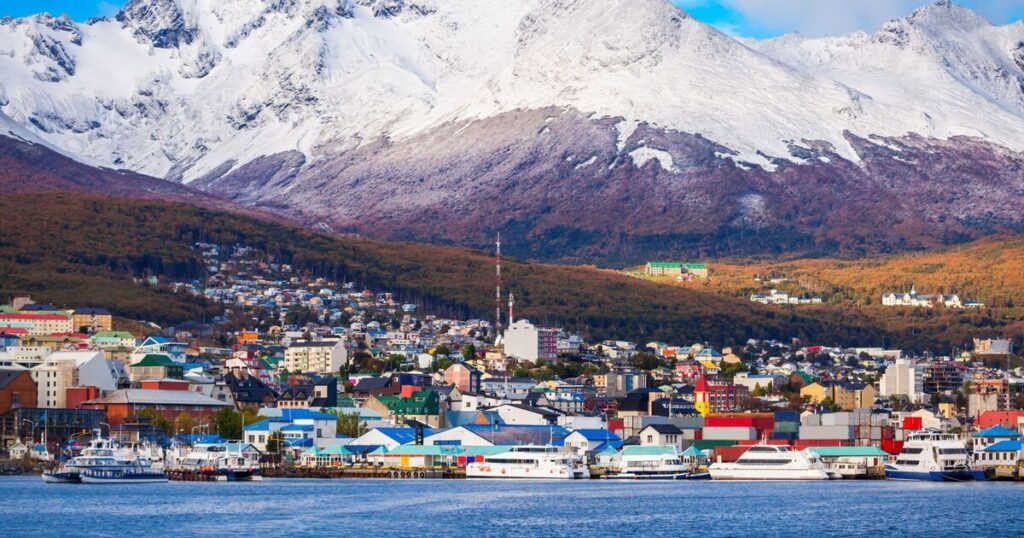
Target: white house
x,y
519,415
662,435
323,357
458,436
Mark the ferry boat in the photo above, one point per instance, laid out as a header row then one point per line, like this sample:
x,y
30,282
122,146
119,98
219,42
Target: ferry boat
x,y
772,462
139,471
100,460
649,463
933,456
529,462
227,461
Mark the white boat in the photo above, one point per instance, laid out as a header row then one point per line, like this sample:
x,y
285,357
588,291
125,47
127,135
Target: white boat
x,y
227,461
140,471
102,460
772,462
933,456
648,463
529,462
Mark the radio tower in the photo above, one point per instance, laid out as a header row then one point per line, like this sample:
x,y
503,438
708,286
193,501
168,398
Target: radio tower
x,y
497,293
511,308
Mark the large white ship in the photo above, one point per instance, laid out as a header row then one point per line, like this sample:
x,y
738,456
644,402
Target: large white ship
x,y
103,462
226,461
933,456
771,462
529,462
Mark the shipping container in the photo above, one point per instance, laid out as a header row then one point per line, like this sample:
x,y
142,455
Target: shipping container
x,y
729,433
741,420
801,444
888,432
705,444
783,436
788,427
787,416
811,420
876,432
837,419
826,432
729,453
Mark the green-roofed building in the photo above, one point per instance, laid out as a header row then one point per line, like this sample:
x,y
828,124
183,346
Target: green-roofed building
x,y
113,339
423,406
156,366
676,269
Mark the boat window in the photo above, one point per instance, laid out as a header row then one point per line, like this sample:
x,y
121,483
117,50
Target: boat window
x,y
906,462
912,450
952,451
763,449
750,461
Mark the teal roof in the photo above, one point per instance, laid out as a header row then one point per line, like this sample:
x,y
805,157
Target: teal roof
x,y
849,451
692,452
650,450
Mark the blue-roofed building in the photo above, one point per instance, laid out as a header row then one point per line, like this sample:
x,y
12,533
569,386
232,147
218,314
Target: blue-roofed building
x,y
592,440
157,344
990,436
1001,453
389,438
301,428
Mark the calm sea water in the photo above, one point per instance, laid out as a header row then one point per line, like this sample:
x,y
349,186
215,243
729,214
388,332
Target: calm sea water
x,y
427,508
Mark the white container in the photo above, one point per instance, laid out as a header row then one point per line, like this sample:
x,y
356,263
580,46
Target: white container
x,y
826,432
730,433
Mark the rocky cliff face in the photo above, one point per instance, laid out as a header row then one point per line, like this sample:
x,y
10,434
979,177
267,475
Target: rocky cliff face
x,y
608,130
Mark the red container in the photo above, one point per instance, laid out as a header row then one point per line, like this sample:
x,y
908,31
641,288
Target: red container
x,y
616,424
730,453
761,421
462,461
888,432
913,423
892,447
801,444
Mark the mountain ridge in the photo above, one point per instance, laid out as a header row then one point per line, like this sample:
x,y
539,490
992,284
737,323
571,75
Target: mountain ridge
x,y
299,104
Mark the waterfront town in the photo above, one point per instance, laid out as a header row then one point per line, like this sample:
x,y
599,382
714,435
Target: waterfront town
x,y
306,375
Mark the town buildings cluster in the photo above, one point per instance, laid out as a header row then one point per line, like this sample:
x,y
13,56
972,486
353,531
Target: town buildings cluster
x,y
329,373
921,300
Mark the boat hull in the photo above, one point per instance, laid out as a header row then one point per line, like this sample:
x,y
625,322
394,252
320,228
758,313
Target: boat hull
x,y
134,480
635,476
62,478
768,474
935,476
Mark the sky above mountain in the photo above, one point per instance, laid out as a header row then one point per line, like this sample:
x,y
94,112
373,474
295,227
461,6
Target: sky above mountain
x,y
745,18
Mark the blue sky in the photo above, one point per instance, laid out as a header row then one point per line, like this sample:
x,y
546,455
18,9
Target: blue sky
x,y
748,18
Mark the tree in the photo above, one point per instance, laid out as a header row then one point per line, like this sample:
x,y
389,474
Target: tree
x,y
275,442
348,423
468,352
758,391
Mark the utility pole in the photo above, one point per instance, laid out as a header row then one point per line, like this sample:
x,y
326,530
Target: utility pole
x,y
497,293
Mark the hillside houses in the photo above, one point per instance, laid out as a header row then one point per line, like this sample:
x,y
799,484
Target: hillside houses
x,y
918,300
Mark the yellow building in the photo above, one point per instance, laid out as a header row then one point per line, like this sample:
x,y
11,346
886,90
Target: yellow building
x,y
848,396
93,319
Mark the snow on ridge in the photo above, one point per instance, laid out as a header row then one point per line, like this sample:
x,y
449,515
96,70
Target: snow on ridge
x,y
644,154
205,82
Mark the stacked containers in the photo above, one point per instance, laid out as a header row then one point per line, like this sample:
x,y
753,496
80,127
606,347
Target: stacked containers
x,y
833,426
739,426
787,426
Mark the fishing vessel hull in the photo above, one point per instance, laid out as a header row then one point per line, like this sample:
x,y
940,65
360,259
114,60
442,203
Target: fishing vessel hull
x,y
652,476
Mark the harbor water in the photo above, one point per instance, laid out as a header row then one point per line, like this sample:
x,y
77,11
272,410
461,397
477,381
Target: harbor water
x,y
424,508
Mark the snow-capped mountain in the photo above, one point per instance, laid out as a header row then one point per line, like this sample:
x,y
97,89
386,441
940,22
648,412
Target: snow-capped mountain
x,y
604,127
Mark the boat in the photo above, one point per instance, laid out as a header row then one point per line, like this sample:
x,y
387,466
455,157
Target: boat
x,y
535,462
140,471
224,461
772,462
933,456
101,458
654,462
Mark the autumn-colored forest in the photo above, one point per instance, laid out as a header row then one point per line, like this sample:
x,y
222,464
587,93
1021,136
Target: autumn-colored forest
x,y
88,250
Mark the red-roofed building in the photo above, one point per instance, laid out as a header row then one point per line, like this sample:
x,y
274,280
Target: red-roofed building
x,y
37,324
1007,419
717,397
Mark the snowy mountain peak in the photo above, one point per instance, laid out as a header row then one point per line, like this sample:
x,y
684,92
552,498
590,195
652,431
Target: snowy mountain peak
x,y
946,15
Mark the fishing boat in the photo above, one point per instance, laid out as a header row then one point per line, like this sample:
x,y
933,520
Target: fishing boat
x,y
772,462
933,456
534,462
654,462
223,461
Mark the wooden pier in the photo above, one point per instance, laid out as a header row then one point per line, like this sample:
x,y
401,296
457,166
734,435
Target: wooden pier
x,y
392,473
